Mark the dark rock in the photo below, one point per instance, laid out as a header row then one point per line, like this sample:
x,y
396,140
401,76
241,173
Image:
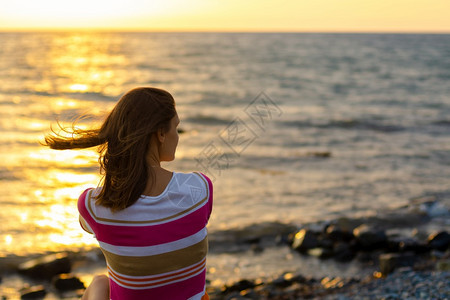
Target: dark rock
x,y
342,252
47,266
390,261
323,154
393,244
299,278
253,240
239,286
281,239
34,292
325,242
439,241
335,233
256,248
67,282
346,224
370,238
405,244
365,257
304,240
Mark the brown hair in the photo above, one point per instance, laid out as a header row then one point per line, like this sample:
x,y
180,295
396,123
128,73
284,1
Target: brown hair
x,y
123,141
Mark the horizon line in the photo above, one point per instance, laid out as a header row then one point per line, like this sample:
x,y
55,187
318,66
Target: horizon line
x,y
192,30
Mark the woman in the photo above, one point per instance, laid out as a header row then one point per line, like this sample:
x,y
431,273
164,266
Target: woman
x,y
150,222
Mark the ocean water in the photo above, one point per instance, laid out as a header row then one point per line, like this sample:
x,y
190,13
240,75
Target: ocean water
x,y
291,127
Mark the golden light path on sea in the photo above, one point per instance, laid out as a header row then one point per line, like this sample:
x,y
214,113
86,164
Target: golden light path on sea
x,y
55,221
79,78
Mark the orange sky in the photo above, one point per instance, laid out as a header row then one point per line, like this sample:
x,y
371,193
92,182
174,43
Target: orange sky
x,y
228,15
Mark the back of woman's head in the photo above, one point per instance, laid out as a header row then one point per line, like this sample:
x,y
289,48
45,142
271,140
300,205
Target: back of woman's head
x,y
138,114
127,132
124,139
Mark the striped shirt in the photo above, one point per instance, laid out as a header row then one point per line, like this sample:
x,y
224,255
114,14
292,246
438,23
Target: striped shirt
x,y
156,248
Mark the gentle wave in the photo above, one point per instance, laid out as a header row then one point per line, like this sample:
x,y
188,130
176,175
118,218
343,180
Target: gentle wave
x,y
444,123
7,175
207,120
349,124
91,96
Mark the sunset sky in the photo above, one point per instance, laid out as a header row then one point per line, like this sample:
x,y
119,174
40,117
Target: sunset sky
x,y
228,15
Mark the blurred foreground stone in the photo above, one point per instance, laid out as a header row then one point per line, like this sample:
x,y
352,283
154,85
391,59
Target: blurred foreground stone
x,y
67,282
34,292
391,261
46,267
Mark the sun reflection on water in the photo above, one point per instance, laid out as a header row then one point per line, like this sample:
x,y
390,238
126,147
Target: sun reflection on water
x,y
78,87
64,79
64,158
8,239
83,63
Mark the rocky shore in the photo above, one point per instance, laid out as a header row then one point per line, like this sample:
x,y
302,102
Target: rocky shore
x,y
60,275
408,249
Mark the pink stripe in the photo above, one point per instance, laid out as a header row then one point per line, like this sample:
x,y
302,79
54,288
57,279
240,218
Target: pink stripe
x,y
151,234
83,210
180,290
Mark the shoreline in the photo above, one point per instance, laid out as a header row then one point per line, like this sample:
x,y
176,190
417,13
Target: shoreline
x,y
429,279
412,227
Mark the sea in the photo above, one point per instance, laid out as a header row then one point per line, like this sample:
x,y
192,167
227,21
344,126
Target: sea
x,y
292,128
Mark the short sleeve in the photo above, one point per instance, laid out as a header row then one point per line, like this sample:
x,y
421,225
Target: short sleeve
x,y
84,213
210,193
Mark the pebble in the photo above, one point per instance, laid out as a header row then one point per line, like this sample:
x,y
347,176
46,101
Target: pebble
x,y
34,292
67,282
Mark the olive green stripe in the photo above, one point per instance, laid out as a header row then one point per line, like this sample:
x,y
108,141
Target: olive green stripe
x,y
157,264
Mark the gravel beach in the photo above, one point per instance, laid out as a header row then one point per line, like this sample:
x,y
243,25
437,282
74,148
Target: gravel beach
x,y
403,284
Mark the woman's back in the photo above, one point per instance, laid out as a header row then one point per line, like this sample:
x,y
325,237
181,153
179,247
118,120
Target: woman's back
x,y
155,248
150,222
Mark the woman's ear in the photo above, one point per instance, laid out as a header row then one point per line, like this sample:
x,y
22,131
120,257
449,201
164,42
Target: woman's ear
x,y
161,135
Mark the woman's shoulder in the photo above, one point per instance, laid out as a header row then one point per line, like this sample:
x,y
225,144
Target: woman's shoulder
x,y
192,179
197,184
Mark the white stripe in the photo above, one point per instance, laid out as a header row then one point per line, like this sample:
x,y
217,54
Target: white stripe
x,y
86,203
156,249
157,285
